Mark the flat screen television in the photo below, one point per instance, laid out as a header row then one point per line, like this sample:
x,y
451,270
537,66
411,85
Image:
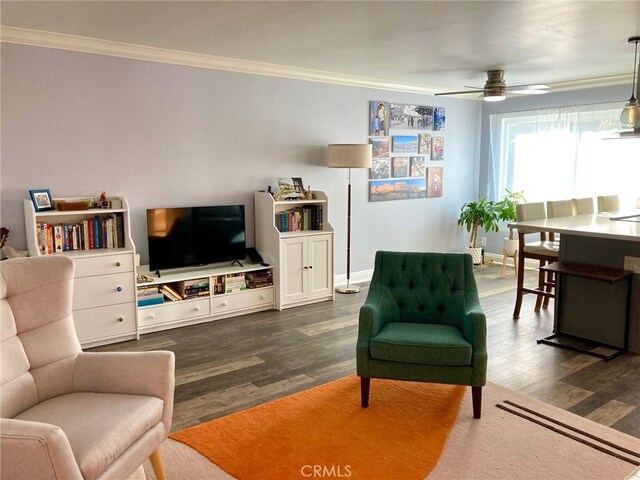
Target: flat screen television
x,y
185,237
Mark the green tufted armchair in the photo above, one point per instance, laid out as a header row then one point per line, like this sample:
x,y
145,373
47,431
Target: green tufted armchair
x,y
422,322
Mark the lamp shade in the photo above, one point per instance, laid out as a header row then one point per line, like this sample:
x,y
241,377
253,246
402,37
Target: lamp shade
x,y
349,155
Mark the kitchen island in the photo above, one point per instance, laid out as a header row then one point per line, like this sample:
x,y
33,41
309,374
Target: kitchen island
x,y
590,308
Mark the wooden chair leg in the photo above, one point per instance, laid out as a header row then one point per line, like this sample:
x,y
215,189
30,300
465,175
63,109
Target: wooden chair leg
x,y
365,383
504,260
551,281
520,274
476,396
156,464
515,263
541,287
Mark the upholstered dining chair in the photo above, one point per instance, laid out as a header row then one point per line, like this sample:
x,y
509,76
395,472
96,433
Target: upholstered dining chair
x,y
582,206
608,203
422,322
64,413
545,250
559,208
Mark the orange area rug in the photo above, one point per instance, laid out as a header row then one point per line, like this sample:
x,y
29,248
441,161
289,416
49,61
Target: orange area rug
x,y
323,432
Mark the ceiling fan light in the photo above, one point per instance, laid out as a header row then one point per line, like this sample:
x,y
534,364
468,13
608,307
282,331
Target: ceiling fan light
x,y
630,115
488,97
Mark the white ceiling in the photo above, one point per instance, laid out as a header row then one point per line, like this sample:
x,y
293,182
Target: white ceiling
x,y
437,45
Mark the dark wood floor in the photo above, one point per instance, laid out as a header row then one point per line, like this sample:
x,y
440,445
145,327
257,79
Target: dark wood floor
x,y
232,364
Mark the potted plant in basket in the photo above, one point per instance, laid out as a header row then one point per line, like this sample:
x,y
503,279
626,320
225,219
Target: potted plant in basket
x,y
488,215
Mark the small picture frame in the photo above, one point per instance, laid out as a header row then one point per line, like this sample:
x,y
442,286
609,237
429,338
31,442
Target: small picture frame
x,y
41,199
298,185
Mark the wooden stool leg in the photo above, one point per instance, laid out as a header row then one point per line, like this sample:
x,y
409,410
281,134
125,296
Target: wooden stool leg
x,y
156,464
504,260
516,309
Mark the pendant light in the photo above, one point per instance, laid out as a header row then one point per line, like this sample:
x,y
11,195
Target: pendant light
x,y
630,115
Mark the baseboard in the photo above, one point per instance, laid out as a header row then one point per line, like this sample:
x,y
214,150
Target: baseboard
x,y
356,277
529,263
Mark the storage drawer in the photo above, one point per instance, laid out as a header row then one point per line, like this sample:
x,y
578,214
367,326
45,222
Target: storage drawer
x,y
173,312
103,290
104,322
223,304
103,265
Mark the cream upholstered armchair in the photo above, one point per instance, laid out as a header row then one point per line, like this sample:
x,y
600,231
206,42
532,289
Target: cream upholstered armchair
x,y
68,414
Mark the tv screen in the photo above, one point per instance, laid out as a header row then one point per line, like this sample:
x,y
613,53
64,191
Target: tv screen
x,y
184,237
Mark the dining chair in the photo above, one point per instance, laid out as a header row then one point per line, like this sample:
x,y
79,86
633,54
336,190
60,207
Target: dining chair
x,y
545,250
608,203
559,208
582,206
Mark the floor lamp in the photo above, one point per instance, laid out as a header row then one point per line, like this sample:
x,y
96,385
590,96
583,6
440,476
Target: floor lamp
x,y
349,155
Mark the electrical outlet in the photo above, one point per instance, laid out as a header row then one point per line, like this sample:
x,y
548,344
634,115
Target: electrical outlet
x,y
483,241
633,264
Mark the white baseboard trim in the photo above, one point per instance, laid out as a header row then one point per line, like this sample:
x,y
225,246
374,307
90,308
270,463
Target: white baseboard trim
x,y
356,277
529,264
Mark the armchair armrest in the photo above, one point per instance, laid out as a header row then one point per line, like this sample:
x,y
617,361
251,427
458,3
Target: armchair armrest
x,y
371,320
35,450
134,373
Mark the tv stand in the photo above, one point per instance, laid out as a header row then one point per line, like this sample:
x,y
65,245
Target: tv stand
x,y
207,294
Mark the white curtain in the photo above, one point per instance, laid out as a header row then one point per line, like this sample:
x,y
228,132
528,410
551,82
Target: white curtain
x,y
561,153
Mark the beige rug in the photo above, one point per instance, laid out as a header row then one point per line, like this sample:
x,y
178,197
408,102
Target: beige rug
x,y
501,445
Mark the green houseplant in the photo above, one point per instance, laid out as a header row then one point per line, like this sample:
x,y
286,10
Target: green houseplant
x,y
488,214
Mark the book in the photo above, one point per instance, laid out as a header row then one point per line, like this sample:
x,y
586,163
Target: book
x,y
58,241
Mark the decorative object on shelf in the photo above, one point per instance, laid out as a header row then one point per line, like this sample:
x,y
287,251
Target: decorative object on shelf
x,y
102,201
63,205
630,115
287,189
41,199
269,191
308,194
349,156
298,186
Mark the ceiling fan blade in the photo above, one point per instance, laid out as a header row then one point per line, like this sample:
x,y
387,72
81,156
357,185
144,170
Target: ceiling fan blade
x,y
529,89
458,93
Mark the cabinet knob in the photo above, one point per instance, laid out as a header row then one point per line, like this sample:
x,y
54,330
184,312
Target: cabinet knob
x,y
120,319
306,268
196,308
151,316
310,266
118,288
117,264
262,297
224,304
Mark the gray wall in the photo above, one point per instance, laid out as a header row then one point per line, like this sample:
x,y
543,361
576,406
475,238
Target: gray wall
x,y
166,135
618,93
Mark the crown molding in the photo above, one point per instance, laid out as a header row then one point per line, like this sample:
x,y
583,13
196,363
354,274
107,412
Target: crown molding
x,y
37,38
74,43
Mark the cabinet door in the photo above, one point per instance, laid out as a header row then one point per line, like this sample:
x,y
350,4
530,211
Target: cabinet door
x,y
320,264
294,270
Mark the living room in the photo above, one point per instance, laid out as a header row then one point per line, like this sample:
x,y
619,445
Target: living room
x,y
96,99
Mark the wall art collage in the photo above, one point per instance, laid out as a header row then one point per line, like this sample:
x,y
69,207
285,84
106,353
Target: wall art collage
x,y
407,140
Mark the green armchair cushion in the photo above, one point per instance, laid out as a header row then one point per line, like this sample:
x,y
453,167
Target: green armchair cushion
x,y
426,344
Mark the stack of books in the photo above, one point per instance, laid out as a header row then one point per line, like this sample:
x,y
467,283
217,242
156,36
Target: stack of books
x,y
170,293
149,295
263,278
235,282
195,288
218,285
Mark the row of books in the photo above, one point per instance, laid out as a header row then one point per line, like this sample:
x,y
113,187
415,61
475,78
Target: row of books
x,y
263,278
235,282
195,288
92,233
149,295
308,217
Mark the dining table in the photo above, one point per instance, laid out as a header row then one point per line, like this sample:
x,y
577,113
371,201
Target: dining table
x,y
597,296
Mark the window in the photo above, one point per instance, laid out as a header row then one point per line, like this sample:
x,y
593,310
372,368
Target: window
x,y
562,153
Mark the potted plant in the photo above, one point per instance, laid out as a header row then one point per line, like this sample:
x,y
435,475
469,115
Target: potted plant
x,y
506,210
474,215
488,214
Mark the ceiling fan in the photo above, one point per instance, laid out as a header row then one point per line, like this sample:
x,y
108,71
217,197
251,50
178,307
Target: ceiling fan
x,y
496,89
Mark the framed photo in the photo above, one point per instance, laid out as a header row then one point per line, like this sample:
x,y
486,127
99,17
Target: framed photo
x,y
405,144
378,118
380,147
41,199
287,189
298,185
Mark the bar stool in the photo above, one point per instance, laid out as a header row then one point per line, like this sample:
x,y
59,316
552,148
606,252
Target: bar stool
x,y
544,250
608,203
582,206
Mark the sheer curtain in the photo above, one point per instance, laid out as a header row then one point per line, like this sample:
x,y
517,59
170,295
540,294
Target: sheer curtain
x,y
562,153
